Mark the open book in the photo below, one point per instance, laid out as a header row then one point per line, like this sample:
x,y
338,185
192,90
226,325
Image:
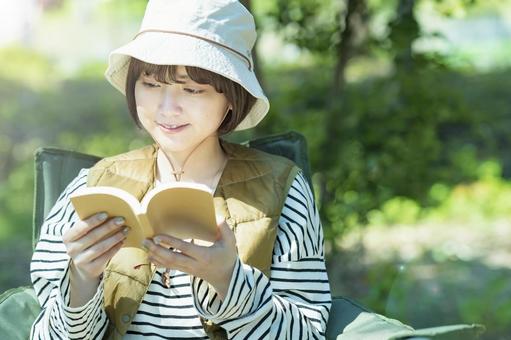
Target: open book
x,y
183,210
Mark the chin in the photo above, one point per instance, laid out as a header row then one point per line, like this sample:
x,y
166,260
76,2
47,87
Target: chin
x,y
173,145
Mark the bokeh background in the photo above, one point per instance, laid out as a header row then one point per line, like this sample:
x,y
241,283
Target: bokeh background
x,y
406,106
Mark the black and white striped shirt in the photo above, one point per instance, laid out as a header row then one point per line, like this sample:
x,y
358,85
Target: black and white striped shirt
x,y
293,304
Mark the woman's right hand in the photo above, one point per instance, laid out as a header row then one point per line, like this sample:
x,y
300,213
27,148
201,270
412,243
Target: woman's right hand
x,y
92,242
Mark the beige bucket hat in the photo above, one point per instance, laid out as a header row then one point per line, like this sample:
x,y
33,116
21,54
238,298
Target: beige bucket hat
x,y
215,35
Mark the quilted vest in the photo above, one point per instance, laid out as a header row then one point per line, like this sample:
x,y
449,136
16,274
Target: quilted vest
x,y
250,196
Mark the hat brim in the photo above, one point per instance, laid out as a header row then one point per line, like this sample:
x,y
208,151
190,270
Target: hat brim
x,y
156,48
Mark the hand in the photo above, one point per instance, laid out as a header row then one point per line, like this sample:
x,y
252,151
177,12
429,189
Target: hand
x,y
91,243
213,264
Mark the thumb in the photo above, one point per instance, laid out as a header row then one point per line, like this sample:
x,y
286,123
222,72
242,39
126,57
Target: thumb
x,y
224,231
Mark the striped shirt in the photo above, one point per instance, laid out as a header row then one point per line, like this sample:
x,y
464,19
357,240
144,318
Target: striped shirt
x,y
293,303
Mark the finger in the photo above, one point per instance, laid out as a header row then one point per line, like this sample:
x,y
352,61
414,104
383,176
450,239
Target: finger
x,y
103,231
100,248
98,234
102,260
219,221
188,248
156,262
169,258
82,227
225,232
173,260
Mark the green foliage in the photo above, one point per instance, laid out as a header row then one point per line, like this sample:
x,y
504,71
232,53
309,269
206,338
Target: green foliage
x,y
397,210
427,293
21,65
490,305
384,274
485,200
380,145
310,24
114,10
401,142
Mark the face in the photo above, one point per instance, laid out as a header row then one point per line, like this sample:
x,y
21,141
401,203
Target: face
x,y
180,115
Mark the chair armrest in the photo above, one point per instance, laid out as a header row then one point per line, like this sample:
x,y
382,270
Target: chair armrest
x,y
350,321
18,310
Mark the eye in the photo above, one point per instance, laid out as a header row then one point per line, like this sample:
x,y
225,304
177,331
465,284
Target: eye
x,y
150,85
192,91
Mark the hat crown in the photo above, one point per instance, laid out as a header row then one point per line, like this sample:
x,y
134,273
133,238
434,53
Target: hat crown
x,y
227,22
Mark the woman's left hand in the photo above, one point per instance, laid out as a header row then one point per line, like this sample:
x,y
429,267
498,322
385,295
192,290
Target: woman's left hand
x,y
213,264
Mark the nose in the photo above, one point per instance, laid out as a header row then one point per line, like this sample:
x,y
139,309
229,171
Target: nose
x,y
169,102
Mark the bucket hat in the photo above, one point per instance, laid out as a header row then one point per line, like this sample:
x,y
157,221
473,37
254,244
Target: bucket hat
x,y
215,35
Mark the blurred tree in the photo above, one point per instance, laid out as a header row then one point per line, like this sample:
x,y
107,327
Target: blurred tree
x,y
404,30
383,138
354,31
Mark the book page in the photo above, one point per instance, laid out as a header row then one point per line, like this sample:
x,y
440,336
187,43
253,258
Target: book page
x,y
116,202
182,210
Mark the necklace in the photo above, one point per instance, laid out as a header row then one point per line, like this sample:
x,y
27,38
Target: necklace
x,y
178,174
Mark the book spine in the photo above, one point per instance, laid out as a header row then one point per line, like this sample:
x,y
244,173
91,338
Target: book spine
x,y
143,221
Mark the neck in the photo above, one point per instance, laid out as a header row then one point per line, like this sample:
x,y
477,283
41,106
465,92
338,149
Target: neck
x,y
199,164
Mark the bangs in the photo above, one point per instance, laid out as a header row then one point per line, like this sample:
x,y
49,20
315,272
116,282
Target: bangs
x,y
168,74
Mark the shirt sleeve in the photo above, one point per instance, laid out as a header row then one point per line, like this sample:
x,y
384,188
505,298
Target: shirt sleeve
x,y
294,303
49,272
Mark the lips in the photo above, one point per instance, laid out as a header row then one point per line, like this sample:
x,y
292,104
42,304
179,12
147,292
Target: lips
x,y
172,128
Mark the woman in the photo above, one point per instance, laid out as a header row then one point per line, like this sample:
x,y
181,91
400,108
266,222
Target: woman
x,y
188,79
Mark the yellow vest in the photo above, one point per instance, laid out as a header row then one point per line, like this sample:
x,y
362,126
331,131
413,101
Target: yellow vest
x,y
250,196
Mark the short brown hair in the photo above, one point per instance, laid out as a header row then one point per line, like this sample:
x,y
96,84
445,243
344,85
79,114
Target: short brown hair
x,y
239,98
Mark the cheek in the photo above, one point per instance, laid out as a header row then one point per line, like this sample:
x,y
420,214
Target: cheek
x,y
221,107
212,117
144,106
142,113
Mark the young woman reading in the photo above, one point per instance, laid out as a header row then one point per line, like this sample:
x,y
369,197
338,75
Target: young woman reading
x,y
188,78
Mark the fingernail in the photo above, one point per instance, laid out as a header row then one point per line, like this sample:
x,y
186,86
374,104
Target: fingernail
x,y
157,240
146,243
102,216
125,231
119,221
